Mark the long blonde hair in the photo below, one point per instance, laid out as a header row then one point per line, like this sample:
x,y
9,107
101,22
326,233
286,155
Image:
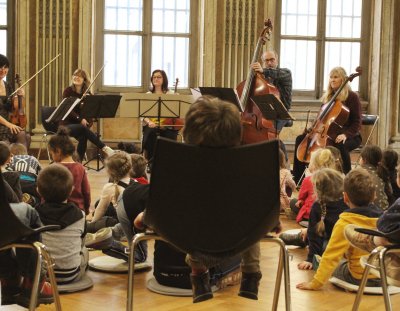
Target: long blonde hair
x,y
118,166
322,158
328,186
330,91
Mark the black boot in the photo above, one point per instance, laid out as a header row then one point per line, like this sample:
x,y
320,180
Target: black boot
x,y
249,285
201,287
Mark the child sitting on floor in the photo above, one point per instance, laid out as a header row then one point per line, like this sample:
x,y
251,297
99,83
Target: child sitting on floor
x,y
55,184
13,185
389,161
359,193
138,172
286,182
328,187
62,149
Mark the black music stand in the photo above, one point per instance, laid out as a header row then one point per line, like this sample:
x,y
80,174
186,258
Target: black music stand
x,y
272,108
97,107
63,109
224,93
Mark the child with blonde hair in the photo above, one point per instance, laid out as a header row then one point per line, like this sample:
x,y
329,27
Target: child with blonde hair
x,y
329,204
118,167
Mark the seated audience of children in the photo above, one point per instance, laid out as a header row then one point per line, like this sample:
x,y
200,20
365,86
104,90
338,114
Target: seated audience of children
x,y
340,258
13,185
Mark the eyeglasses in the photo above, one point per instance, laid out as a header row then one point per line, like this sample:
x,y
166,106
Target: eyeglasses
x,y
269,60
157,77
4,68
77,76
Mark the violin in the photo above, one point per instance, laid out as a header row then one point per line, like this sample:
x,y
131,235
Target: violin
x,y
175,123
327,125
18,116
255,127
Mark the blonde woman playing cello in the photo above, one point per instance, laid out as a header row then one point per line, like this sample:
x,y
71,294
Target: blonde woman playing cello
x,y
349,136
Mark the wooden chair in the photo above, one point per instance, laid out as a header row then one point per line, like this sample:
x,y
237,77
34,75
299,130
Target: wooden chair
x,y
214,202
14,234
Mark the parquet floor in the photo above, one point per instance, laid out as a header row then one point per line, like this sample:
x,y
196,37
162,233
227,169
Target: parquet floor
x,y
109,291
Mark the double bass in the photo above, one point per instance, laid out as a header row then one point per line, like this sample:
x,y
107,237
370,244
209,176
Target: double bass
x,y
327,125
18,116
255,127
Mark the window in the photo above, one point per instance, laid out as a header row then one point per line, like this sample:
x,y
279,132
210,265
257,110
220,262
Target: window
x,y
3,27
142,35
317,35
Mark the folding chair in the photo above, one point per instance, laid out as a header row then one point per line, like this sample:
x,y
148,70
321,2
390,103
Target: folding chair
x,y
50,129
378,253
367,119
215,202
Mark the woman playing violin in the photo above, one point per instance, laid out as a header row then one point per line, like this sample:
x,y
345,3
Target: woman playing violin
x,y
159,85
77,125
349,136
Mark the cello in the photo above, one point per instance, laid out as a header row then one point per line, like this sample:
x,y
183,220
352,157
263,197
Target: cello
x,y
327,125
18,116
255,127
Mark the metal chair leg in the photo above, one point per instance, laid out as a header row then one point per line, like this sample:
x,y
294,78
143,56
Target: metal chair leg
x,y
131,263
50,271
364,279
283,266
382,270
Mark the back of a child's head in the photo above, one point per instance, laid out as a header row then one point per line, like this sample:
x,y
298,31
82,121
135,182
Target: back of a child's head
x,y
212,122
389,159
18,149
322,158
338,157
55,183
5,153
139,164
371,154
62,142
328,186
118,166
128,147
359,187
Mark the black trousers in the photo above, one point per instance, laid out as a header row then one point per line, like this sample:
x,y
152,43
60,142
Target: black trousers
x,y
83,134
350,144
150,138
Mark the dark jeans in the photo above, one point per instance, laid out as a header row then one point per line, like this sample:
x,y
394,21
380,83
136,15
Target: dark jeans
x,y
83,134
342,272
150,138
350,144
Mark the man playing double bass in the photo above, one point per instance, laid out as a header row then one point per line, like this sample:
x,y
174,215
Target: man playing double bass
x,y
279,77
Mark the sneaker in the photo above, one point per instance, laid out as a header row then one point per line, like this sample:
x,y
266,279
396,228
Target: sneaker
x,y
249,285
117,250
45,293
358,239
108,151
292,239
201,287
392,263
118,234
102,239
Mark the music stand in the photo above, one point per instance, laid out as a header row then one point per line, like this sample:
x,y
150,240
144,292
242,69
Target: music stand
x,y
224,93
97,107
272,108
63,109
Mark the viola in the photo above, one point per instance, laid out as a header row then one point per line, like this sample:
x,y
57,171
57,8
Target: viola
x,y
175,123
18,116
255,127
326,127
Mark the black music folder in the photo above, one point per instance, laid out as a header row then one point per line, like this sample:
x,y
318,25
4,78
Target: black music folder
x,y
271,107
63,109
224,93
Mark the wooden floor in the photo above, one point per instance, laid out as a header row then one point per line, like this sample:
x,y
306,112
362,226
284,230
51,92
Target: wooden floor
x,y
109,291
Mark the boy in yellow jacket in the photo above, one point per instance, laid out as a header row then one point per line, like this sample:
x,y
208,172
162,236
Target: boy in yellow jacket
x,y
359,192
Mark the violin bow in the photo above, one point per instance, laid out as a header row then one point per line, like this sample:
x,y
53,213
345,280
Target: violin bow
x,y
94,79
27,81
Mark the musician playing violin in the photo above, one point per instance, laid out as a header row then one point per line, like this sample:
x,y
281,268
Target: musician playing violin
x,y
77,125
349,136
279,77
159,85
9,132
